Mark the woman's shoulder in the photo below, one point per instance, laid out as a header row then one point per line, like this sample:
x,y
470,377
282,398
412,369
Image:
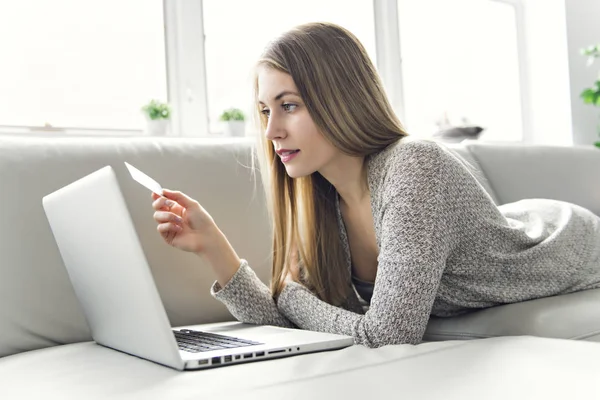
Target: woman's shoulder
x,y
418,164
410,155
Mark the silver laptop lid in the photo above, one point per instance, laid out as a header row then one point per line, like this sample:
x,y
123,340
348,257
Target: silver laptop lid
x,y
104,259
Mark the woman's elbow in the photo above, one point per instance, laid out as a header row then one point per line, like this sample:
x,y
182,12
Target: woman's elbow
x,y
379,336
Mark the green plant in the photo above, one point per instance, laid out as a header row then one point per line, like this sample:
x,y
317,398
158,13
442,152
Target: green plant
x,y
232,114
592,95
157,110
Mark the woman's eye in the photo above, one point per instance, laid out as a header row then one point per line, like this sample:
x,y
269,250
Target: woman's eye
x,y
289,107
265,112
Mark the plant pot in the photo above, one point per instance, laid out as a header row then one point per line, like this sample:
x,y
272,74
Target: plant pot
x,y
157,127
234,128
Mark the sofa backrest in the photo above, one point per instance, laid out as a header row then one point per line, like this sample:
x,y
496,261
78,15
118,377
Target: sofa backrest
x,y
38,307
523,171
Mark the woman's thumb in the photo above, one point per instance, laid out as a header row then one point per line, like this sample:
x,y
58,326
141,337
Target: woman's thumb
x,y
179,197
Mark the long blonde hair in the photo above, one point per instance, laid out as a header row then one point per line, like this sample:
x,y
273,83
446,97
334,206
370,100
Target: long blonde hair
x,y
346,100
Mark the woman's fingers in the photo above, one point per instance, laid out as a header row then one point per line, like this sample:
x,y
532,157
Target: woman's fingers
x,y
168,227
169,212
165,217
179,197
169,231
174,201
162,203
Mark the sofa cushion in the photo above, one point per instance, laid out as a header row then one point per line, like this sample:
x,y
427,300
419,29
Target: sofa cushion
x,y
497,368
568,316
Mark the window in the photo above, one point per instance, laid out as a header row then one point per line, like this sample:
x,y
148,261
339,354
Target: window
x,y
235,40
460,60
93,65
72,63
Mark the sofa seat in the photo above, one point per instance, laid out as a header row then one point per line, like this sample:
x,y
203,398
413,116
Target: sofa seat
x,y
493,368
569,316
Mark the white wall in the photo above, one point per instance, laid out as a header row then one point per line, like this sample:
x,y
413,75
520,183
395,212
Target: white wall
x,y
583,29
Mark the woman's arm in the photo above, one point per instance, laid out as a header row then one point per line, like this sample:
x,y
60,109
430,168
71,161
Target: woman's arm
x,y
248,299
416,239
186,225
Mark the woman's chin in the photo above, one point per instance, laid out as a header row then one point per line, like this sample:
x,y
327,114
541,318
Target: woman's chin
x,y
295,172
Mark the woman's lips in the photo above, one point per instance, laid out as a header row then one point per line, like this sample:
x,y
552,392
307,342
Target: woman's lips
x,y
286,157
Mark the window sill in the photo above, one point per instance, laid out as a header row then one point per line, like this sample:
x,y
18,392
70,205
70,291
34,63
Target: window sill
x,y
108,133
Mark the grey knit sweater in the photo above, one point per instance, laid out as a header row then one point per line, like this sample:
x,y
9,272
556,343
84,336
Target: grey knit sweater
x,y
444,248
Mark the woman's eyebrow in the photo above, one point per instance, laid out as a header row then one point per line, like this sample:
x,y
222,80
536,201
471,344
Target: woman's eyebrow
x,y
280,95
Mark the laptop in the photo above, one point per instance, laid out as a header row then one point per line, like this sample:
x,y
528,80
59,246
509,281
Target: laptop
x,y
114,285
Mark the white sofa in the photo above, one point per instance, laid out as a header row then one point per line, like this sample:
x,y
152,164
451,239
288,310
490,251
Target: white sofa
x,y
538,349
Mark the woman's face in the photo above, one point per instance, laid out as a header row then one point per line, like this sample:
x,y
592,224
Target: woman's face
x,y
290,127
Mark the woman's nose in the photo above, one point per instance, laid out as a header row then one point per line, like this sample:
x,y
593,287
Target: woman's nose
x,y
275,129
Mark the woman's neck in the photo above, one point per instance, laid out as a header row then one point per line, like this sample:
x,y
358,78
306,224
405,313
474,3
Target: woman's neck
x,y
348,176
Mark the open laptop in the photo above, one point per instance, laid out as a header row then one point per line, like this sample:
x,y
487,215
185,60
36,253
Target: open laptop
x,y
113,282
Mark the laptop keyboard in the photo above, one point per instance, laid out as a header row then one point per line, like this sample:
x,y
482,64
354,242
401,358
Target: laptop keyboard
x,y
197,341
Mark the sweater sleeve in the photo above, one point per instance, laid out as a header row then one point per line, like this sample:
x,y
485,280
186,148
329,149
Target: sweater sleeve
x,y
416,239
248,299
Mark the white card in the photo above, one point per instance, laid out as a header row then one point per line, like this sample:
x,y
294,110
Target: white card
x,y
144,179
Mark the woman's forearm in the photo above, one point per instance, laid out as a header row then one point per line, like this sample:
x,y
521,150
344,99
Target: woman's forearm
x,y
248,299
222,257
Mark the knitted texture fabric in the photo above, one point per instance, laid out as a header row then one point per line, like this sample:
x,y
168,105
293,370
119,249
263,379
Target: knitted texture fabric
x,y
445,248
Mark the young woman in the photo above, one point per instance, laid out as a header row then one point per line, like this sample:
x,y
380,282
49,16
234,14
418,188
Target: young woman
x,y
359,210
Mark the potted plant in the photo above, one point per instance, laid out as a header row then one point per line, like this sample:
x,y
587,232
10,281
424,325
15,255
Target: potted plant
x,y
234,124
157,115
592,95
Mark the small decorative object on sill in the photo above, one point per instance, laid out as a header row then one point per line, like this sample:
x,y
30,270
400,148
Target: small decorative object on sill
x,y
233,122
459,133
592,95
452,132
157,115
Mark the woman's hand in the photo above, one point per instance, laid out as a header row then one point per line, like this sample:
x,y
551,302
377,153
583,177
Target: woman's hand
x,y
182,222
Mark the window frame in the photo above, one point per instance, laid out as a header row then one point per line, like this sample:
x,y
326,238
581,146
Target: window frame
x,y
524,69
